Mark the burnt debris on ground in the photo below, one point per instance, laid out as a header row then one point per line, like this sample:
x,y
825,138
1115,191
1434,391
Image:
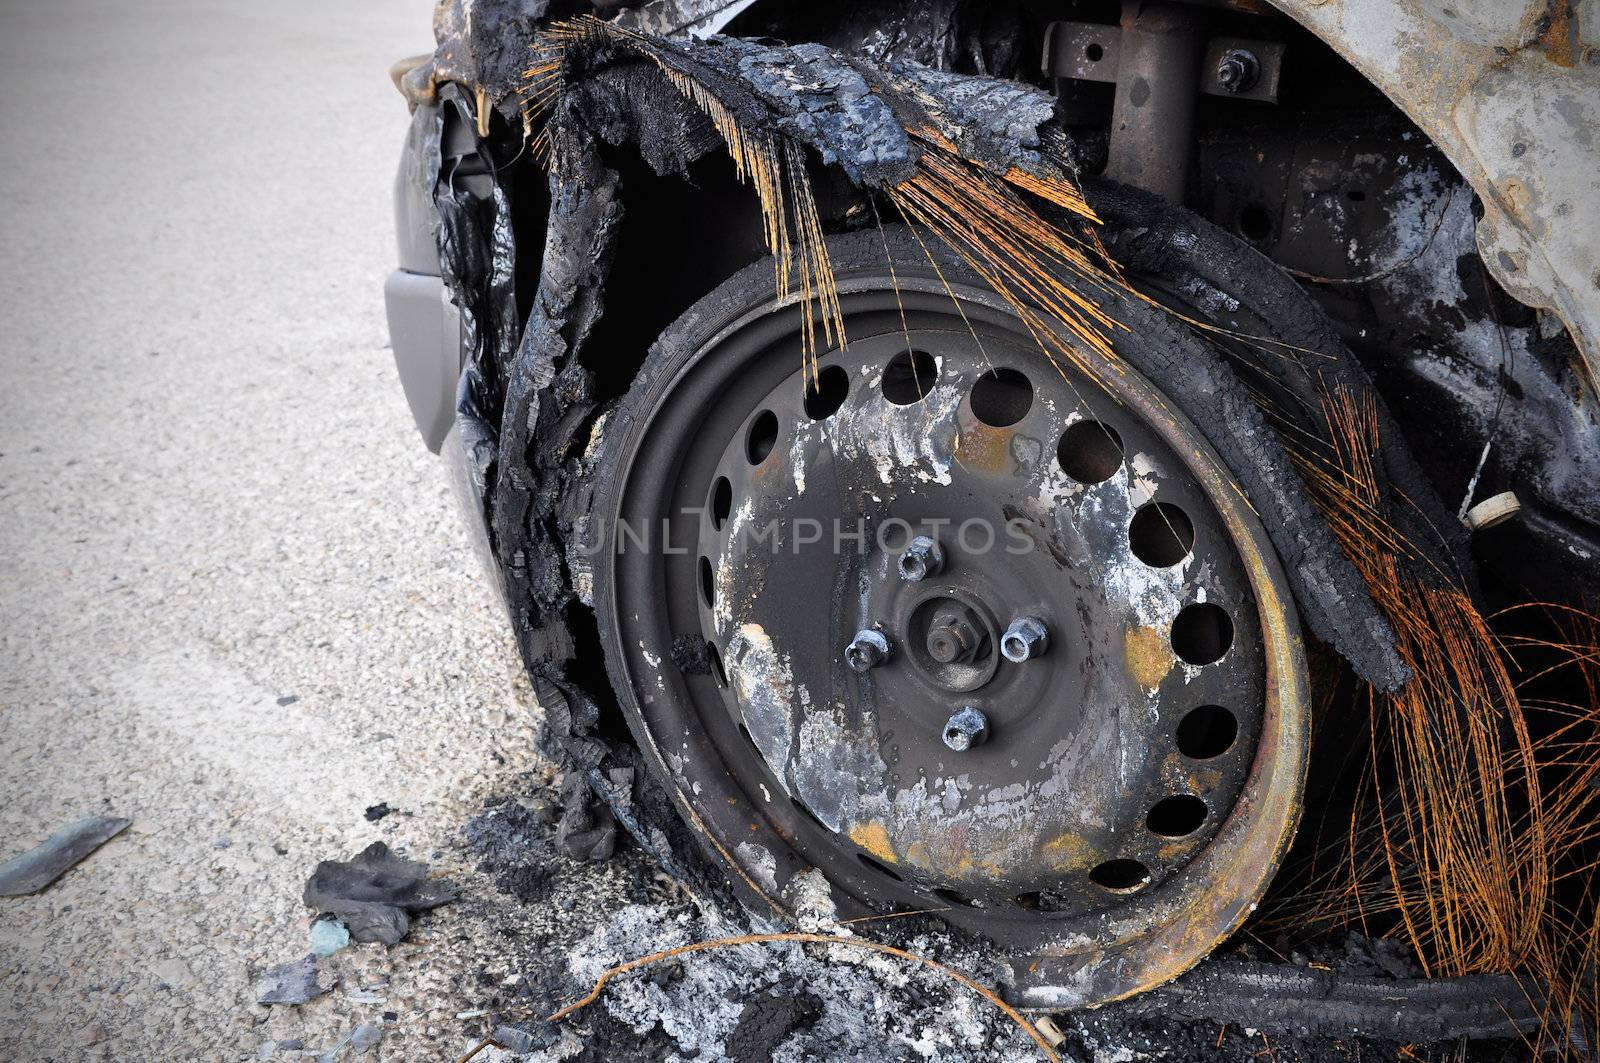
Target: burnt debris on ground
x,y
297,982
35,869
566,920
375,893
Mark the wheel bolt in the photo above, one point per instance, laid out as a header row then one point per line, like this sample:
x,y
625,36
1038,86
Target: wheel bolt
x,y
869,649
1239,70
1026,637
952,639
923,557
966,729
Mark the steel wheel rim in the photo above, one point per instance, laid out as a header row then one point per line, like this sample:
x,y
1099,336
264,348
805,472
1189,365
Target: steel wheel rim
x,y
1084,954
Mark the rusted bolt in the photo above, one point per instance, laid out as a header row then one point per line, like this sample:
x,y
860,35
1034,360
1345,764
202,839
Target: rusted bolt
x,y
952,638
966,729
1238,70
1026,637
923,557
869,649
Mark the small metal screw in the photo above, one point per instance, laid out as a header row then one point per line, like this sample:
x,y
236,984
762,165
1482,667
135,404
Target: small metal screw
x,y
966,729
923,557
1026,637
869,649
1239,70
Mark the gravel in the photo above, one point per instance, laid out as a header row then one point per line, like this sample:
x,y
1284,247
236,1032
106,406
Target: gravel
x,y
236,603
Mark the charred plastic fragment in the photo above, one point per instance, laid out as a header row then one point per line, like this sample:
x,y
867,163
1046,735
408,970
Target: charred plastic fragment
x,y
32,871
375,893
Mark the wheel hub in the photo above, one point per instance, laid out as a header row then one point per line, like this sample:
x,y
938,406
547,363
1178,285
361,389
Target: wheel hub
x,y
956,635
952,639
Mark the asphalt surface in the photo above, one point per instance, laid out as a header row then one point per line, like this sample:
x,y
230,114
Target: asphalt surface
x,y
236,603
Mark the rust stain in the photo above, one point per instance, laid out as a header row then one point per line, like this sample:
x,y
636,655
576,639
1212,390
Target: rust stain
x,y
1149,656
1558,33
1069,852
980,446
874,839
1174,850
950,857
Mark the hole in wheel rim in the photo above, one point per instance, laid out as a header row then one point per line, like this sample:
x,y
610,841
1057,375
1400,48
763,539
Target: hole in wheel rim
x,y
909,376
1120,875
721,502
1177,816
1160,534
1090,452
1202,633
1002,397
708,583
827,393
762,437
1206,732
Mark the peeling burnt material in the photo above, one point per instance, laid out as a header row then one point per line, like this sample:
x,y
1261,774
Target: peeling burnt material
x,y
809,93
588,830
1227,283
524,414
484,43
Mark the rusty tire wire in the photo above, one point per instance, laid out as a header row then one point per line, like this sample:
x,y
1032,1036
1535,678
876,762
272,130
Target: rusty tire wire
x,y
1084,959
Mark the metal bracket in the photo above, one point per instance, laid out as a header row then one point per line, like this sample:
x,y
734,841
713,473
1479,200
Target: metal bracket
x,y
1092,51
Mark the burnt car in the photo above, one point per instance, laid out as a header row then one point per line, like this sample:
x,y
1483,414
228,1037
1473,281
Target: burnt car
x,y
1099,472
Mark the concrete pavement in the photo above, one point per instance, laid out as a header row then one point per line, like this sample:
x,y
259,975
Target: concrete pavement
x,y
235,601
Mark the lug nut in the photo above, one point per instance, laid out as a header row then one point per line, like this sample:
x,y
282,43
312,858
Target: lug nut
x,y
923,557
1026,637
966,729
869,649
1239,70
